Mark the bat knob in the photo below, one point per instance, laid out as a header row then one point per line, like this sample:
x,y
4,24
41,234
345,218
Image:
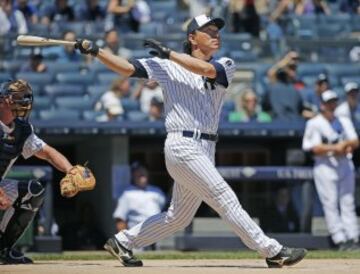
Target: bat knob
x,y
86,44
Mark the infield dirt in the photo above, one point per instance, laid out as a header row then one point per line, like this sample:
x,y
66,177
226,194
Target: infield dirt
x,y
183,267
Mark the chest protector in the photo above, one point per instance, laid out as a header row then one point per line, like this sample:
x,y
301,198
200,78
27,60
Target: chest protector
x,y
11,145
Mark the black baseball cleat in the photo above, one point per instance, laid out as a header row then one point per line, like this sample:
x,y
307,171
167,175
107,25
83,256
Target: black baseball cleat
x,y
12,256
287,256
124,255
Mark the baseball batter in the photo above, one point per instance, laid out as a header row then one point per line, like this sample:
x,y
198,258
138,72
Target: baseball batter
x,y
19,200
332,141
194,85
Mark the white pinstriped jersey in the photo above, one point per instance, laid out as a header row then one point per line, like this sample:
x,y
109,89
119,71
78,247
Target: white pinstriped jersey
x,y
190,102
32,145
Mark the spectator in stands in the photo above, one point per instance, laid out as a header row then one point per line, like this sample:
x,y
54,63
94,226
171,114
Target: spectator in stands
x,y
200,7
91,11
250,111
12,21
61,11
29,11
350,6
35,64
283,100
287,67
156,111
332,140
128,16
350,108
64,53
138,201
113,44
312,7
110,101
244,17
145,94
312,96
281,216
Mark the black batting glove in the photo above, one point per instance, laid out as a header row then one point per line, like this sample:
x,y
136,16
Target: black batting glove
x,y
86,47
157,49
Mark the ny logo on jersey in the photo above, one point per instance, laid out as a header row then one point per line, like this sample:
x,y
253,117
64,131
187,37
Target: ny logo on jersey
x,y
209,84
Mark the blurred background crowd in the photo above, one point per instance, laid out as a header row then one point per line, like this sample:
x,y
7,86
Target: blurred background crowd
x,y
293,49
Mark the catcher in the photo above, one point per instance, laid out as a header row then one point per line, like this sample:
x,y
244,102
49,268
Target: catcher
x,y
20,200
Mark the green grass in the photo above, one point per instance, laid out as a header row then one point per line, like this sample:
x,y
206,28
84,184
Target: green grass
x,y
178,255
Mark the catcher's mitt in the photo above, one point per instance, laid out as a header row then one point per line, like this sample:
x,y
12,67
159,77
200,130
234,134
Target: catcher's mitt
x,y
79,178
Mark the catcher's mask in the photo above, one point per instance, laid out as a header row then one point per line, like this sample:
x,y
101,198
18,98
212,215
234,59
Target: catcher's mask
x,y
18,94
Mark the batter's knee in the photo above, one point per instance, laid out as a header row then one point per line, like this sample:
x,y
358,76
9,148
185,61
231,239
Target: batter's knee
x,y
178,221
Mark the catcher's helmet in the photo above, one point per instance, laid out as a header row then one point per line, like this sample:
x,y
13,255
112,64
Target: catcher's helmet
x,y
19,95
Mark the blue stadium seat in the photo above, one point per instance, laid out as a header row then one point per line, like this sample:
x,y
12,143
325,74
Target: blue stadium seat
x,y
229,105
56,67
36,78
97,67
42,103
61,89
347,79
74,102
95,91
75,78
136,116
59,115
90,115
12,66
243,56
152,28
340,70
140,53
105,78
310,69
130,104
5,76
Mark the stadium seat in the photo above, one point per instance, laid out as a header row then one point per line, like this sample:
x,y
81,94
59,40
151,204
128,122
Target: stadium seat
x,y
229,105
42,103
310,69
90,115
341,70
130,104
74,78
5,76
36,78
59,115
12,66
347,79
74,102
105,78
95,91
61,89
56,67
136,116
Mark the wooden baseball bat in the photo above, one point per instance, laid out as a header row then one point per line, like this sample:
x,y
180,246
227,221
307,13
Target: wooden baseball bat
x,y
38,41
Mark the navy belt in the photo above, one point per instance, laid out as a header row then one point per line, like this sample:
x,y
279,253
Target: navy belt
x,y
199,135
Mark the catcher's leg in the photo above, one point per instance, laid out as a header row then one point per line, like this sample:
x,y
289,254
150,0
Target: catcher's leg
x,y
26,198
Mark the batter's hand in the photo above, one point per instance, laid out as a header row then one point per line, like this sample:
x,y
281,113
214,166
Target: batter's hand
x,y
86,47
4,200
158,49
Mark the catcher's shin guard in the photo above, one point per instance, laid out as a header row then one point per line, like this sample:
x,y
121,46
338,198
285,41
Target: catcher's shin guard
x,y
17,218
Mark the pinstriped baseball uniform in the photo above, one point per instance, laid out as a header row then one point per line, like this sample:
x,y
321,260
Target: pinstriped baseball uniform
x,y
193,103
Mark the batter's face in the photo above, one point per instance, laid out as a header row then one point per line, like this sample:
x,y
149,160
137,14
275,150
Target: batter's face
x,y
206,38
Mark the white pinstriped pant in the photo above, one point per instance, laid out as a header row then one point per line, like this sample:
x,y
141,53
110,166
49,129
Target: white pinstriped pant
x,y
191,164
